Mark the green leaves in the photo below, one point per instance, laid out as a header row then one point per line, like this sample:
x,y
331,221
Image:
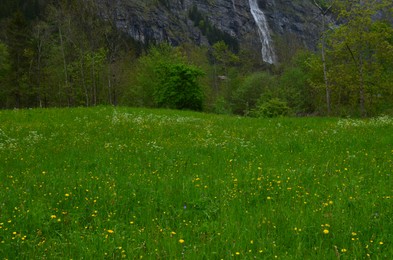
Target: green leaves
x,y
4,60
360,56
167,81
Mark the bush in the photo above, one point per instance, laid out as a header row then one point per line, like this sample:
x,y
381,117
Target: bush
x,y
178,87
165,80
272,108
254,87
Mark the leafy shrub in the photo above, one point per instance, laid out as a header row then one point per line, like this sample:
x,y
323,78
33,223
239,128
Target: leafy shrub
x,y
165,80
272,108
178,87
254,87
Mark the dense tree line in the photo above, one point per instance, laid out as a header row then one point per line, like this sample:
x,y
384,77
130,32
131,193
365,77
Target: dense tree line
x,y
60,53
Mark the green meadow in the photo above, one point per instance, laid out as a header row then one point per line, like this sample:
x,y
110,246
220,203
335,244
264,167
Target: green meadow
x,y
113,183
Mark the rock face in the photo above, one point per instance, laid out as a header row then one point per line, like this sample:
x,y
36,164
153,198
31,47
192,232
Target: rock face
x,y
204,22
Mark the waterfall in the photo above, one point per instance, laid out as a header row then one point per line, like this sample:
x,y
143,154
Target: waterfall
x,y
268,54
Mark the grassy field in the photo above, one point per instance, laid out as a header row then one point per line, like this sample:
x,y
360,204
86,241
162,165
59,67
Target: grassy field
x,y
106,183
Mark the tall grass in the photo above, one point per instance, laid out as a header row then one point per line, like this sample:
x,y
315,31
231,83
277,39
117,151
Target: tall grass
x,y
111,183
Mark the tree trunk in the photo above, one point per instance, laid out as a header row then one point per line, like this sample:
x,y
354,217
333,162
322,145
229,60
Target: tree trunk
x,y
65,68
361,89
325,77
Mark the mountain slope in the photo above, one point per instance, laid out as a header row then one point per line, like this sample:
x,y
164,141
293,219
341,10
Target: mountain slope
x,y
292,24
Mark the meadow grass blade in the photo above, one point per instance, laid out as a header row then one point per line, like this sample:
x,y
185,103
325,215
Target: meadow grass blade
x,y
133,183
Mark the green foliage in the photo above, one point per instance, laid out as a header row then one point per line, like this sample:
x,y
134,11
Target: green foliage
x,y
271,108
165,80
30,8
360,57
223,55
301,84
19,47
254,87
4,71
68,56
178,87
4,61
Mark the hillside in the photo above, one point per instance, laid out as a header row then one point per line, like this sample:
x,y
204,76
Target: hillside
x,y
292,24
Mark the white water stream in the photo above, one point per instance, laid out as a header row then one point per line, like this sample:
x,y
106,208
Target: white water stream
x,y
268,54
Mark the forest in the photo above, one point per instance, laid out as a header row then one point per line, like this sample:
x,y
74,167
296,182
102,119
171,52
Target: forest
x,y
63,54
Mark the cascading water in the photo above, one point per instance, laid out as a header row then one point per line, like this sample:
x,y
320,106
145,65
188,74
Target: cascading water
x,y
268,54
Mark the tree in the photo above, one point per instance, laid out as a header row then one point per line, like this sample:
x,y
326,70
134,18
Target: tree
x,y
166,80
40,40
324,9
18,35
256,87
360,49
4,71
178,87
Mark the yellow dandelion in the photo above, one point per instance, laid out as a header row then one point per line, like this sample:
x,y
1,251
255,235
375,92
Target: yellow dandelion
x,y
237,253
326,231
343,250
354,234
67,195
381,243
110,231
53,216
181,241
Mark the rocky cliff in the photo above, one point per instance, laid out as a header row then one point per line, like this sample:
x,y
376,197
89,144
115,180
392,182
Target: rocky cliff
x,y
290,23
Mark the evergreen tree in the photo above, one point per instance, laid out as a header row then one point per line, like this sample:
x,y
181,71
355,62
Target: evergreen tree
x,y
18,35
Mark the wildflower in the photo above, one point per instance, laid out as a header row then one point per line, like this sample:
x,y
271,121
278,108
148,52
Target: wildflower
x,y
181,241
381,243
110,231
326,231
343,250
67,195
53,216
354,234
237,253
